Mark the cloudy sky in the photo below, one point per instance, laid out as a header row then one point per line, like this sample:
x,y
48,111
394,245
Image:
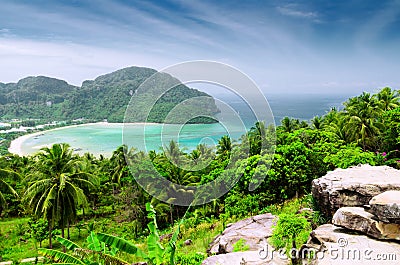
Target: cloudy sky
x,y
285,46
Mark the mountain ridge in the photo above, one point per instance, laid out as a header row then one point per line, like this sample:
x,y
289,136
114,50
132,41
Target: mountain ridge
x,y
105,97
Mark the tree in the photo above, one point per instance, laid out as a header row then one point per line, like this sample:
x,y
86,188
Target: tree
x,y
388,99
316,123
362,114
257,136
57,186
224,145
5,186
290,231
119,164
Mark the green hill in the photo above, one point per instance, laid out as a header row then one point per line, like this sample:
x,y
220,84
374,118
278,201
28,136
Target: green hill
x,y
106,97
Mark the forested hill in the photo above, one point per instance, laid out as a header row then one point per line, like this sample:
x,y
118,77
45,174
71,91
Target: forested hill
x,y
106,97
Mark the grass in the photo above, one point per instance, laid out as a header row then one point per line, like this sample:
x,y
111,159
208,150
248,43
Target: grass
x,y
16,245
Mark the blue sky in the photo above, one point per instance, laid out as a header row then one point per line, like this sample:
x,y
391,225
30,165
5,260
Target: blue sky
x,y
285,46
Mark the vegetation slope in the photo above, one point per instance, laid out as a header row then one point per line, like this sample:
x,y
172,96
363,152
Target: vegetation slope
x,y
58,193
106,97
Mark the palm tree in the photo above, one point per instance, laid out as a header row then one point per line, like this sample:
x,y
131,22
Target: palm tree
x,y
119,164
317,122
224,145
257,138
388,99
57,186
362,115
289,124
173,153
5,186
335,122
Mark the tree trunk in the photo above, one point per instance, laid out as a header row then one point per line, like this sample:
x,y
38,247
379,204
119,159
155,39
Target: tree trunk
x,y
62,233
68,237
171,213
293,253
50,236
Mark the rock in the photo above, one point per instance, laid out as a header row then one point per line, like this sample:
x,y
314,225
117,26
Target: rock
x,y
386,206
243,258
6,263
333,245
188,242
357,219
354,186
165,237
254,231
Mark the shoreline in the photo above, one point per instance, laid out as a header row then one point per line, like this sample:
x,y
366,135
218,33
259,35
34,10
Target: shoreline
x,y
16,144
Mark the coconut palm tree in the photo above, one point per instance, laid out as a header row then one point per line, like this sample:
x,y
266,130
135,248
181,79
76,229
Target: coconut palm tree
x,y
317,122
388,99
119,168
289,124
57,186
362,116
5,186
257,138
224,145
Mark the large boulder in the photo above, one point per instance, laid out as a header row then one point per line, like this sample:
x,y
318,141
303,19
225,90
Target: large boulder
x,y
333,245
353,186
386,206
254,232
357,219
244,258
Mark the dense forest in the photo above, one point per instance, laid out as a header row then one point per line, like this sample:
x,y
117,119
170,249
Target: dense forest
x,y
106,97
52,200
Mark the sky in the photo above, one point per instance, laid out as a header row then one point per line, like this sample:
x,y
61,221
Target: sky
x,y
284,46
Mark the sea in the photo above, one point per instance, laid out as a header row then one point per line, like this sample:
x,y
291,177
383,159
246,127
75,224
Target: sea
x,y
104,138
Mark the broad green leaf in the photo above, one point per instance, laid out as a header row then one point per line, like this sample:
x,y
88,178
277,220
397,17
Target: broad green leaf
x,y
60,256
121,244
67,243
94,243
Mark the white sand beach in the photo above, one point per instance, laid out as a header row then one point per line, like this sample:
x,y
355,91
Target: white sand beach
x,y
16,144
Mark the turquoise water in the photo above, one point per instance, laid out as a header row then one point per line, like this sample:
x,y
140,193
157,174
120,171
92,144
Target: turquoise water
x,y
105,138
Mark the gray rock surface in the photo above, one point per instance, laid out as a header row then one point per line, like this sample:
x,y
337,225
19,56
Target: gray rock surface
x,y
354,186
357,219
335,245
386,206
254,231
243,258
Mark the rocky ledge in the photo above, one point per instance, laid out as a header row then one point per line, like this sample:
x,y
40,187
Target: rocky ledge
x,y
353,187
254,232
367,229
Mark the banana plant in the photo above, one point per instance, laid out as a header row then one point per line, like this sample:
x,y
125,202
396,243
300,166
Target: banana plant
x,y
102,248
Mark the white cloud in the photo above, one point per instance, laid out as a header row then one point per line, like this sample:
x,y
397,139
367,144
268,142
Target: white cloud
x,y
71,62
293,11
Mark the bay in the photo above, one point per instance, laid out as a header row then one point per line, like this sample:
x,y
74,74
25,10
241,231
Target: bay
x,y
103,138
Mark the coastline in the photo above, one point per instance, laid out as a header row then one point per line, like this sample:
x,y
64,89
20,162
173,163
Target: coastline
x,y
16,144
